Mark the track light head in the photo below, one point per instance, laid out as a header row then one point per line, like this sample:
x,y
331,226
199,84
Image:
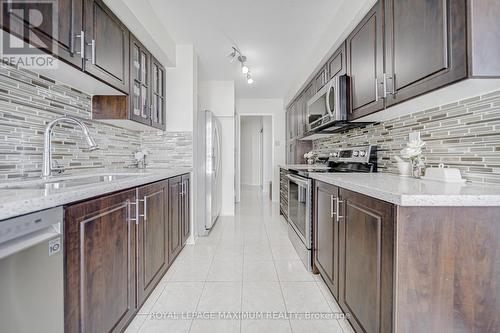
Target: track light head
x,y
249,78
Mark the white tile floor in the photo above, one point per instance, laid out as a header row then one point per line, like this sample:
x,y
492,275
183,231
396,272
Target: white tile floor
x,y
246,265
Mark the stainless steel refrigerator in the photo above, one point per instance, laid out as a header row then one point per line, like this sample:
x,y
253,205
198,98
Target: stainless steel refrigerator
x,y
209,146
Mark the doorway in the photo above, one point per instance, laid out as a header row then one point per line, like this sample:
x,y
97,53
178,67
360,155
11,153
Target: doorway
x,y
255,150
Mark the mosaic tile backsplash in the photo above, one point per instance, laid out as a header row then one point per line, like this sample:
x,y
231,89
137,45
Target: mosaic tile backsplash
x,y
168,149
28,101
464,135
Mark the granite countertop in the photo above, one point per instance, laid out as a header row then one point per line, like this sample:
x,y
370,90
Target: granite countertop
x,y
404,191
16,202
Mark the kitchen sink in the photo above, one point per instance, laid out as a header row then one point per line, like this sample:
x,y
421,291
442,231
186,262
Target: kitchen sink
x,y
67,182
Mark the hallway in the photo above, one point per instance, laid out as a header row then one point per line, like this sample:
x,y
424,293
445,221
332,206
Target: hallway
x,y
246,266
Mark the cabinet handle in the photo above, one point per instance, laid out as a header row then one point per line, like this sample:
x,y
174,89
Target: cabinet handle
x,y
129,211
332,212
339,202
82,44
384,86
145,211
376,89
393,80
136,204
93,51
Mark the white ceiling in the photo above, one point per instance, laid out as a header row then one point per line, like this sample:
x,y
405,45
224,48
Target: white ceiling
x,y
277,36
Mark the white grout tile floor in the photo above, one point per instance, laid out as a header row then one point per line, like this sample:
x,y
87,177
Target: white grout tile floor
x,y
247,270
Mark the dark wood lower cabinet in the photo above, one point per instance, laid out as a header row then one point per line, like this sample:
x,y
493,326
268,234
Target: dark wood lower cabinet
x,y
409,269
366,261
117,249
448,269
185,207
174,217
100,264
152,237
326,234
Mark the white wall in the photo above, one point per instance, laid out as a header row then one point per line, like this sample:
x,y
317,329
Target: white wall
x,y
269,107
267,163
180,83
250,150
218,97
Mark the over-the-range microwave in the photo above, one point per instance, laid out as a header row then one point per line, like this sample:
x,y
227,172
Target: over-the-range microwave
x,y
329,105
327,110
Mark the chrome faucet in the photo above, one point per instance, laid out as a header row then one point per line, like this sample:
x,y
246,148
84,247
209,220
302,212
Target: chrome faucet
x,y
47,146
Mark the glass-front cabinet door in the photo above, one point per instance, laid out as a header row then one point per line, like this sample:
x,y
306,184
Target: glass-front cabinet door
x,y
157,95
139,82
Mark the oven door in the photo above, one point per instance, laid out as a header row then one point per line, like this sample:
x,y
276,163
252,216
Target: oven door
x,y
299,207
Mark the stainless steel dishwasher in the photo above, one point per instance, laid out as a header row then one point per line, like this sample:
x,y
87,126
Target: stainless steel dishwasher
x,y
31,273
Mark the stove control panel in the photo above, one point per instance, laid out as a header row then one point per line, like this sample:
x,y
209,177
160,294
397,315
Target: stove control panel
x,y
364,154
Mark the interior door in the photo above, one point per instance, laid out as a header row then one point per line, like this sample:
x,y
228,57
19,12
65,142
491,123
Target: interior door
x,y
426,46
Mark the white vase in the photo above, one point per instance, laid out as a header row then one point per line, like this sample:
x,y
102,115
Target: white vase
x,y
405,168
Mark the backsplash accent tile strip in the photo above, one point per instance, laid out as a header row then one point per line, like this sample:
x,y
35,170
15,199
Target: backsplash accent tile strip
x,y
28,101
464,135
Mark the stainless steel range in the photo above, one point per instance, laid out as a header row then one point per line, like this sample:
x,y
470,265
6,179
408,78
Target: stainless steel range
x,y
357,159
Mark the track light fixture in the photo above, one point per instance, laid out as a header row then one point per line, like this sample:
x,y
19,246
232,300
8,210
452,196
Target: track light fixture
x,y
236,55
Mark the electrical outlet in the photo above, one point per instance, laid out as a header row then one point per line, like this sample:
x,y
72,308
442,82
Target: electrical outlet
x,y
414,136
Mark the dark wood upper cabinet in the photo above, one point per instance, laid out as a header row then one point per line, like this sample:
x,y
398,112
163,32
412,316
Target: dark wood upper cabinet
x,y
107,56
300,115
366,242
484,38
140,83
321,78
174,217
64,38
326,234
365,63
336,65
185,209
145,105
157,94
100,264
152,237
426,46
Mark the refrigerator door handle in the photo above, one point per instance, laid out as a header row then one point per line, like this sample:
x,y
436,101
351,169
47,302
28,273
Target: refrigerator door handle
x,y
217,162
